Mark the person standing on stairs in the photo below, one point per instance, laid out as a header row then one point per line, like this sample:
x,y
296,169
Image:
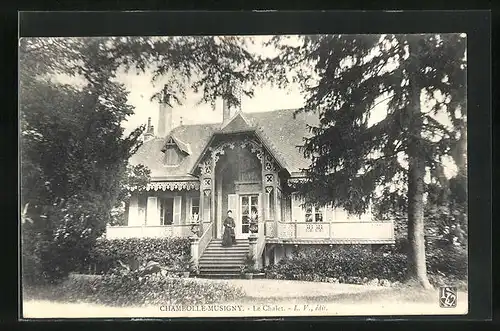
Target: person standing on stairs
x,y
228,238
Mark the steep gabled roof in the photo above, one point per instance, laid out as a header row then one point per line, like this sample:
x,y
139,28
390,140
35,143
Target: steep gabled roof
x,y
150,154
286,134
278,130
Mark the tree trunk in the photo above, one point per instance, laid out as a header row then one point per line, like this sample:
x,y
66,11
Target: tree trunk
x,y
416,172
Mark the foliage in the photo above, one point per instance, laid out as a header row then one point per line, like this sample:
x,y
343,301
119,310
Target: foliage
x,y
352,264
414,81
136,177
168,252
249,263
133,290
73,149
445,213
216,66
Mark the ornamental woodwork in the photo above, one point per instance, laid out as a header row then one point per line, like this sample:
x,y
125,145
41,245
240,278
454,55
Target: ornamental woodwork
x,y
172,186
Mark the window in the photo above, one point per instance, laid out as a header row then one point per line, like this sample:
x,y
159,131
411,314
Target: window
x,y
249,204
166,207
172,153
314,214
195,209
143,200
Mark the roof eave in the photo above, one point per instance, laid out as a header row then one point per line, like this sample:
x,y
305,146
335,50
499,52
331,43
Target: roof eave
x,y
200,157
281,163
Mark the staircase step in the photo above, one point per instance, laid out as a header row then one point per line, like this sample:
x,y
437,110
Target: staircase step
x,y
215,259
220,261
221,276
223,261
227,247
236,271
226,251
237,240
220,266
234,248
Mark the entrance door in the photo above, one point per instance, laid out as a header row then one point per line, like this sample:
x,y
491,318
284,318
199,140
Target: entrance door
x,y
247,203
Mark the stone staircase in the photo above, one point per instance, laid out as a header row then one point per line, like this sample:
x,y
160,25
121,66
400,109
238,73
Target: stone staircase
x,y
223,262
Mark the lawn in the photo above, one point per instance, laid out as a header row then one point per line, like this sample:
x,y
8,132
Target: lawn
x,y
264,297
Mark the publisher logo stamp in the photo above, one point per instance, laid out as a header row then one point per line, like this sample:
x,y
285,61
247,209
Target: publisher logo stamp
x,y
447,297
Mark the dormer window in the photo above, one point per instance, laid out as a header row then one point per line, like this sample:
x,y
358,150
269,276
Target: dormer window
x,y
172,153
175,150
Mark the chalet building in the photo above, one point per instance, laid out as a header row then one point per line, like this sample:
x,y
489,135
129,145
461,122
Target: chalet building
x,y
250,160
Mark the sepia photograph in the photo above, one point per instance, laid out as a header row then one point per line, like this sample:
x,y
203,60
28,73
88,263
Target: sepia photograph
x,y
236,176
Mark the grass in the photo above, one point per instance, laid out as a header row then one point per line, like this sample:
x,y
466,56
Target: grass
x,y
46,302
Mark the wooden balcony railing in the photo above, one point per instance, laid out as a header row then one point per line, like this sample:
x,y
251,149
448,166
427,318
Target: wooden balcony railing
x,y
346,230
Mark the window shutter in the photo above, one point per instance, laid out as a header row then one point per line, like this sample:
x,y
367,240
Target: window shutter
x,y
177,209
133,211
232,204
328,214
188,210
153,218
297,211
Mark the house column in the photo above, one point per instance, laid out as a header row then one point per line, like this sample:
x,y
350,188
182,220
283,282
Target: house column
x,y
206,191
212,196
269,183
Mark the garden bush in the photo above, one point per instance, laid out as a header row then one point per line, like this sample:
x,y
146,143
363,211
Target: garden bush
x,y
132,290
168,252
353,264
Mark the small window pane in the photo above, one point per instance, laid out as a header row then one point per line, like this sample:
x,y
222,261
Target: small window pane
x,y
195,208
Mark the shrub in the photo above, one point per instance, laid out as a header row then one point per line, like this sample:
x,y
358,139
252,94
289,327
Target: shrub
x,y
449,261
352,264
343,264
131,290
168,252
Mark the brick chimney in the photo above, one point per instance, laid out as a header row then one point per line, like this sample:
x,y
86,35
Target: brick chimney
x,y
149,131
227,111
164,115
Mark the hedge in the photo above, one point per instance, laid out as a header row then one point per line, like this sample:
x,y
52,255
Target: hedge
x,y
136,251
353,264
130,290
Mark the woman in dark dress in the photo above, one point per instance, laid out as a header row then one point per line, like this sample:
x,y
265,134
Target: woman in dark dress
x,y
228,238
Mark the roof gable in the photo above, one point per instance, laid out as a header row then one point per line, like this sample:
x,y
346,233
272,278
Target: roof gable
x,y
280,131
171,139
238,123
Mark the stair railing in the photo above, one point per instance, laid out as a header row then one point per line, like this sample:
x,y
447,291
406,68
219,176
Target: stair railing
x,y
205,239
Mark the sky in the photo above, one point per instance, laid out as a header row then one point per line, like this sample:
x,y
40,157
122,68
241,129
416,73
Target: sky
x,y
266,98
141,89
